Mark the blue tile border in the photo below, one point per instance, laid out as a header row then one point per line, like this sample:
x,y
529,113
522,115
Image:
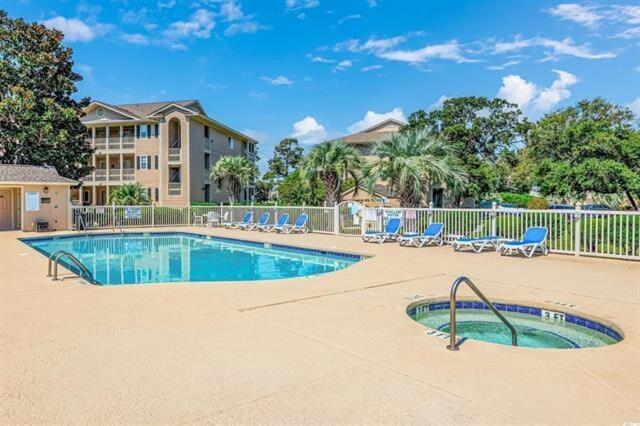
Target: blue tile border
x,y
516,308
277,246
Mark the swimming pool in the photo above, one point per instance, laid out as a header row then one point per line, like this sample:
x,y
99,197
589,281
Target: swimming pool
x,y
535,326
143,258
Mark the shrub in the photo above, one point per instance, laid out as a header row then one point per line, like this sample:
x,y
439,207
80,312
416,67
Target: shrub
x,y
538,203
520,200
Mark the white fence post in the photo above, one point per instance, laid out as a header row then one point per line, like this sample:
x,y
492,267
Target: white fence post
x,y
113,215
363,216
494,218
578,229
70,217
275,213
429,215
336,219
189,215
153,216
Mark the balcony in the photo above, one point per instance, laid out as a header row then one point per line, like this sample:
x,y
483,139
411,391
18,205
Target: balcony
x,y
174,155
100,143
114,174
251,156
101,175
128,174
175,188
127,142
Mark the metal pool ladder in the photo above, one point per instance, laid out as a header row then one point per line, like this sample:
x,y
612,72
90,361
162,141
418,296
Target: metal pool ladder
x,y
80,221
55,259
452,312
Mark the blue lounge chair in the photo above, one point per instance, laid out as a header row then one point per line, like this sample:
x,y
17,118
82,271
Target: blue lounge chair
x,y
264,218
282,221
534,238
300,225
391,232
431,234
477,244
247,218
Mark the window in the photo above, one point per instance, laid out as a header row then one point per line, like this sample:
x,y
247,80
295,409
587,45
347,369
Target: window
x,y
100,112
143,131
230,143
157,194
206,131
144,162
207,192
207,161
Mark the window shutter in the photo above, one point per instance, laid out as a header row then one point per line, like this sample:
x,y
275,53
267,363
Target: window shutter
x,y
157,194
148,130
138,132
149,162
138,162
157,130
157,162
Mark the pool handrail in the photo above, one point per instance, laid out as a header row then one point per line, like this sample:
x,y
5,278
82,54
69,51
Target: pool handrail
x,y
55,259
453,346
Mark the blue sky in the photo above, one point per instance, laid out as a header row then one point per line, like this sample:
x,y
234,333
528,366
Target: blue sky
x,y
318,69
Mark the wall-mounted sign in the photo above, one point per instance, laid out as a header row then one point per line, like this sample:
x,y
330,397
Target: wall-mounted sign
x,y
132,213
32,201
45,200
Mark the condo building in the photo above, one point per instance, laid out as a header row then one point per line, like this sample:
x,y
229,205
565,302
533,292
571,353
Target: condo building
x,y
166,147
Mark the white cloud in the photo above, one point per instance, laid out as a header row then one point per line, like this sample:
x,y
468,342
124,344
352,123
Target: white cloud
x,y
322,60
349,17
72,28
342,65
308,131
247,27
634,106
504,65
199,25
135,38
371,45
302,16
517,90
554,48
628,14
583,15
633,32
372,118
301,4
531,98
165,4
372,3
371,68
86,71
280,80
439,103
231,11
450,51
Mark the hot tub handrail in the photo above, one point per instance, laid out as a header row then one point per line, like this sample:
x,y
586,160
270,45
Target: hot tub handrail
x,y
452,312
55,259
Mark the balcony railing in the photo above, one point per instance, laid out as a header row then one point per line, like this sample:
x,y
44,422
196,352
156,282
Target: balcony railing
x,y
101,175
127,142
174,155
114,174
175,188
101,143
128,174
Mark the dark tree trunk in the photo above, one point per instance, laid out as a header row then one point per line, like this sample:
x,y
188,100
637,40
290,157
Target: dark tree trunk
x,y
631,200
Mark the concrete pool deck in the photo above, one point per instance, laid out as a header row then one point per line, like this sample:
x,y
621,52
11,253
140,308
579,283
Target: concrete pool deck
x,y
337,348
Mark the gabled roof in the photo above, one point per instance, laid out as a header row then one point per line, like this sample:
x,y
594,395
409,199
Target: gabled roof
x,y
148,108
371,135
18,173
115,108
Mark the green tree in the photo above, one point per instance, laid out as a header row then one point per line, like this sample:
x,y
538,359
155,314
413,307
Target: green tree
x,y
233,173
411,160
295,190
589,147
131,194
333,163
39,121
479,129
286,157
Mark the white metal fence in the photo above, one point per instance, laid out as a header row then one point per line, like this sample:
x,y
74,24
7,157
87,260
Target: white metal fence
x,y
614,234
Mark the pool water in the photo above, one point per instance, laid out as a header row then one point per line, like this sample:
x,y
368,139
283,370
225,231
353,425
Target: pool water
x,y
533,328
182,257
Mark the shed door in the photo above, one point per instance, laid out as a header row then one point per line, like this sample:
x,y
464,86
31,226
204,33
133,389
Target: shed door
x,y
5,209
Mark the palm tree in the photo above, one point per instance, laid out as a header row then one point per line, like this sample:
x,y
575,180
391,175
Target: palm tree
x,y
333,163
130,194
233,173
411,160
